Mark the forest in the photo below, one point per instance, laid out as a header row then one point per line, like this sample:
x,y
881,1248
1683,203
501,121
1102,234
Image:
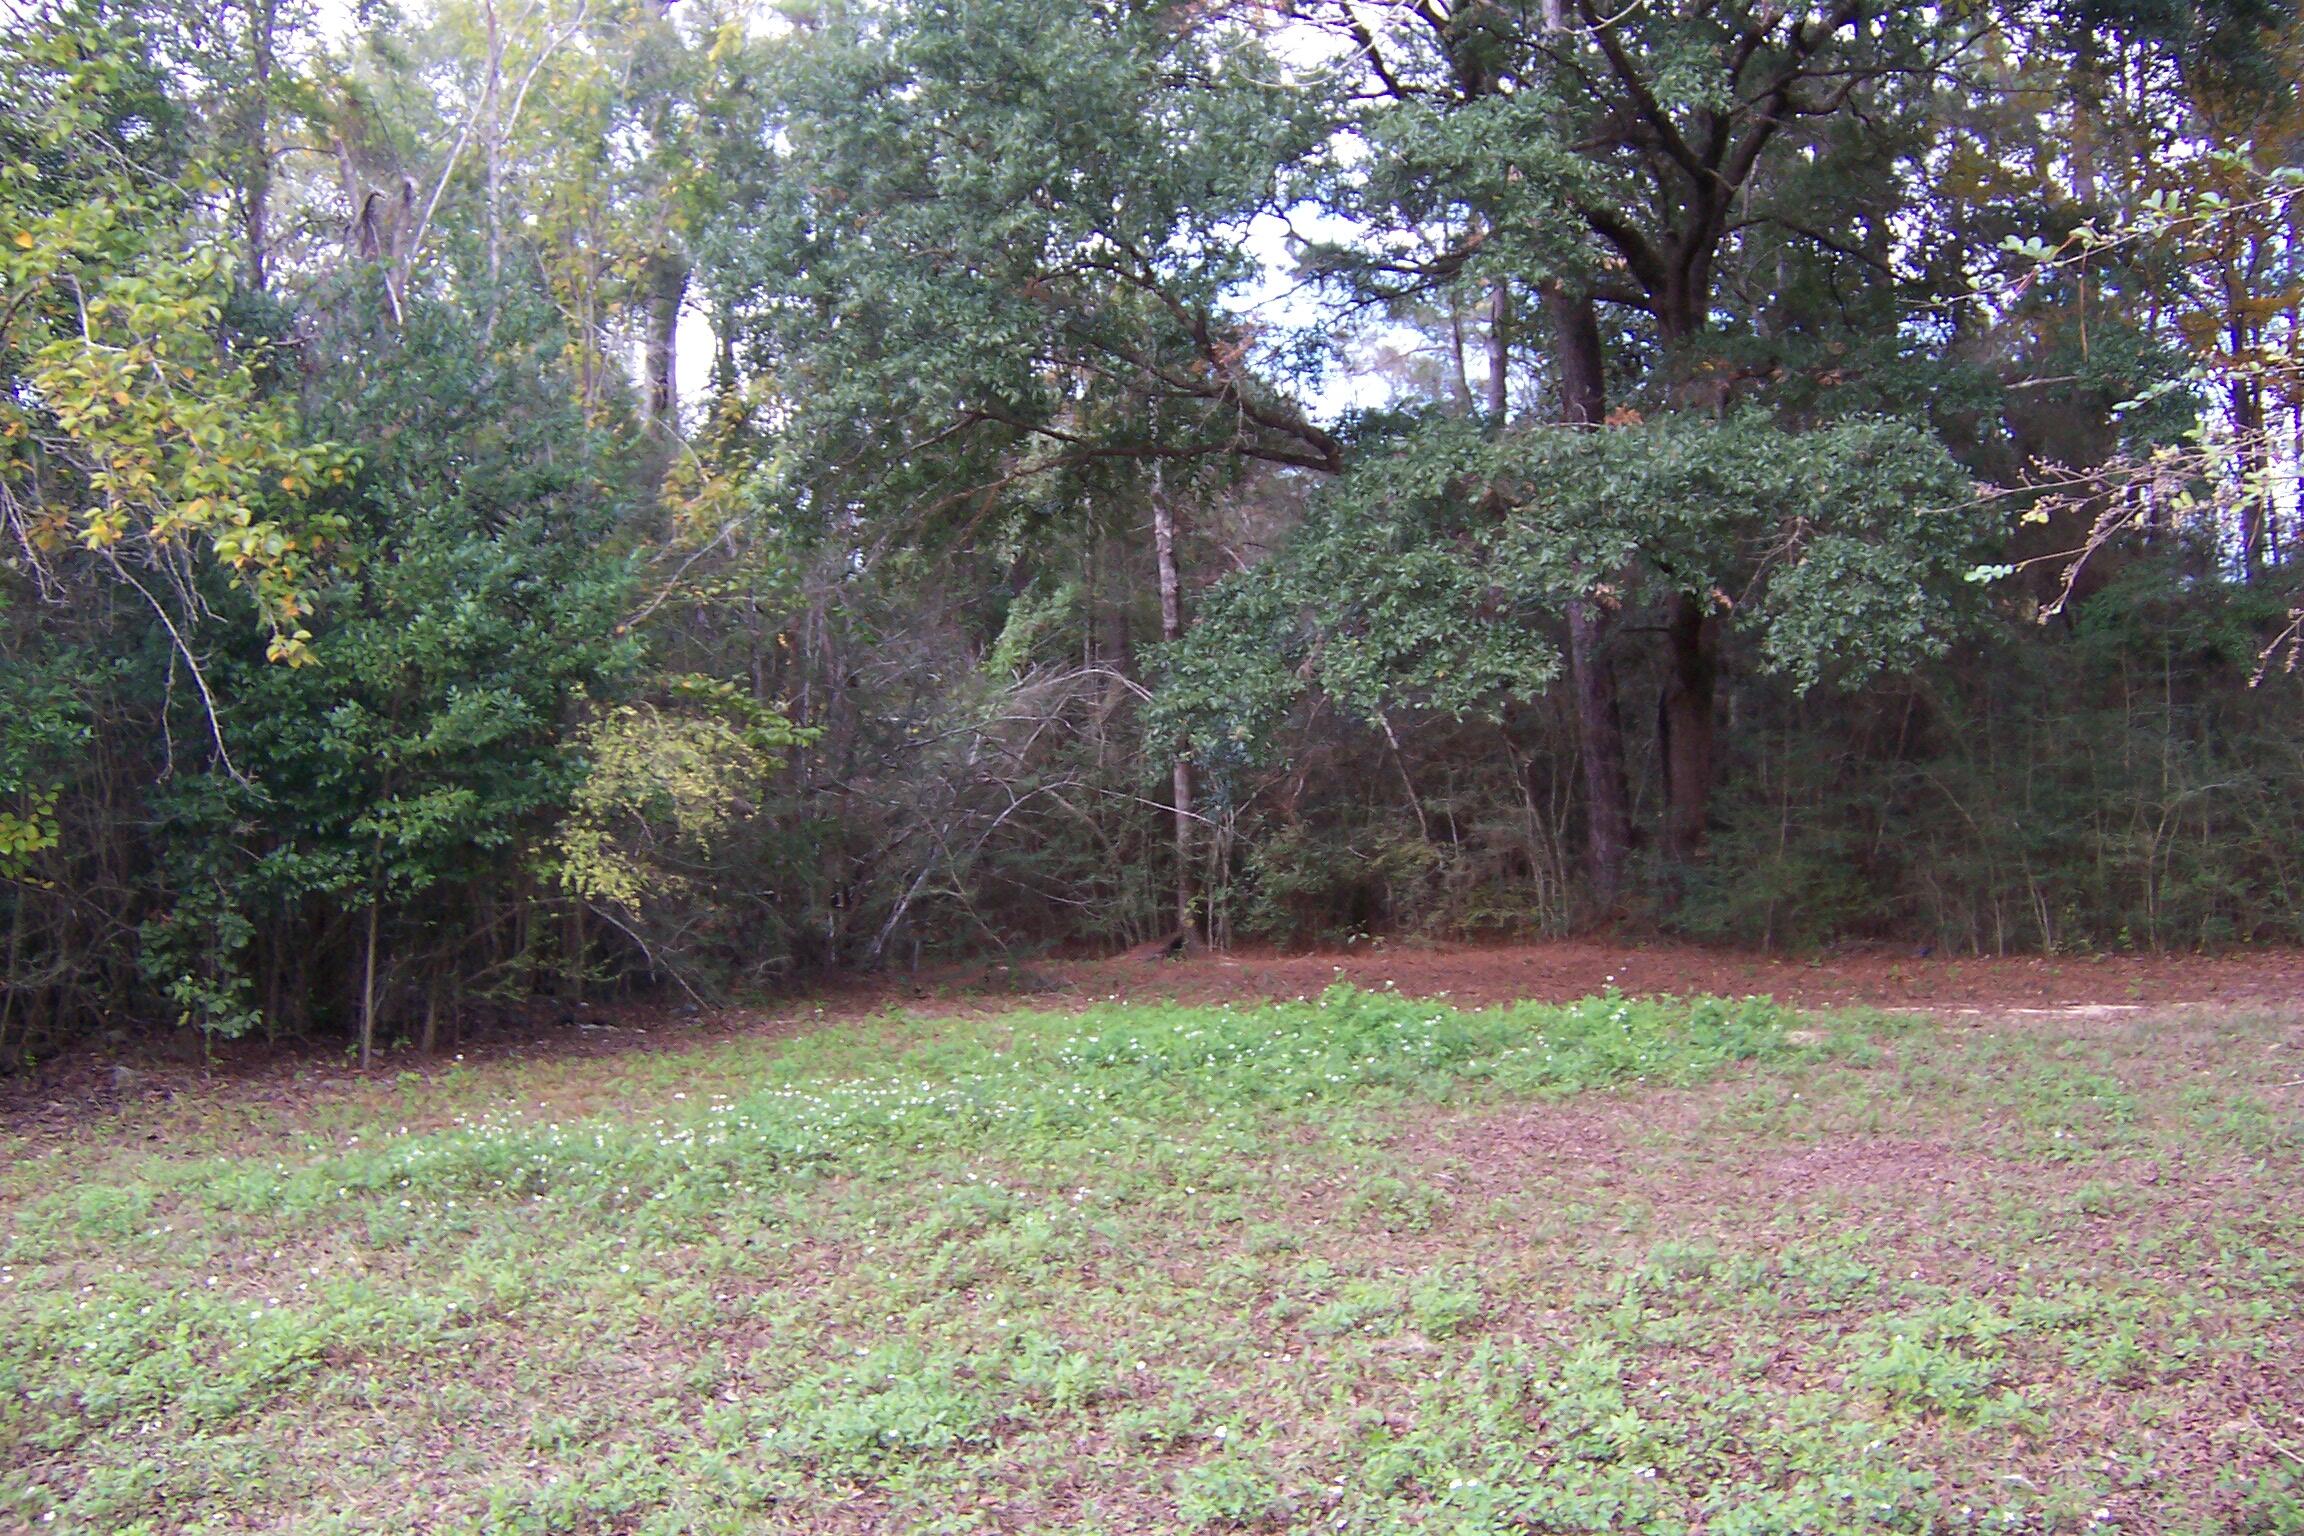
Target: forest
x,y
557,498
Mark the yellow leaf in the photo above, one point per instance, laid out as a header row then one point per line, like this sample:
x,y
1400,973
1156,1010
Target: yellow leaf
x,y
24,239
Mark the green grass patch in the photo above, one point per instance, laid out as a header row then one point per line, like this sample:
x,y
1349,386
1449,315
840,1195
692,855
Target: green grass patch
x,y
1361,1263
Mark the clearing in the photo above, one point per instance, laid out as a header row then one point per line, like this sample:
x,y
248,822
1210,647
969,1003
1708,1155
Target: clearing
x,y
1359,1263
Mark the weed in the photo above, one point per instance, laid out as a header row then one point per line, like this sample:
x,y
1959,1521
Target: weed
x,y
1395,1205
1916,1373
1229,1492
1444,1303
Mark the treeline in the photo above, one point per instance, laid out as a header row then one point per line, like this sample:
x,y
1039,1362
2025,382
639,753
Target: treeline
x,y
595,495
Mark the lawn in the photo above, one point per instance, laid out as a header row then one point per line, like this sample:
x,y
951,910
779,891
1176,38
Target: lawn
x,y
1361,1263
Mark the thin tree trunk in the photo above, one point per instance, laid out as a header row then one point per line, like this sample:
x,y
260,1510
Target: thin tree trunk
x,y
1460,378
491,136
432,992
275,962
2082,149
1172,630
1180,773
368,984
8,992
1499,351
2247,404
572,946
2296,452
2255,532
1408,783
1109,644
263,22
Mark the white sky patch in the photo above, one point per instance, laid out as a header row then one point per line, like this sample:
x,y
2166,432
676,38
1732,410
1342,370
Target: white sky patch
x,y
1282,301
693,344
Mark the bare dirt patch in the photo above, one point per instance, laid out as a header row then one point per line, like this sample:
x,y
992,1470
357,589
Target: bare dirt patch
x,y
2166,1391
1473,975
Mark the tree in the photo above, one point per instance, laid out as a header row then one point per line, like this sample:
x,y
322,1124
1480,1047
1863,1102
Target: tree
x,y
413,774
1837,551
135,438
987,274
1590,155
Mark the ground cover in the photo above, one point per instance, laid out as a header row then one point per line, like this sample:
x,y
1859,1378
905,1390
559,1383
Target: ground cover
x,y
1362,1262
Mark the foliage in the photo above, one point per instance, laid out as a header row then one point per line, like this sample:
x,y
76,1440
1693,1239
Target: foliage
x,y
964,287
1835,547
1327,472
43,728
1417,585
2154,810
431,749
1374,603
132,434
657,790
2224,231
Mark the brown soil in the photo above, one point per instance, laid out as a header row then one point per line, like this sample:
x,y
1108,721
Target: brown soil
x,y
1679,1161
1567,969
65,1091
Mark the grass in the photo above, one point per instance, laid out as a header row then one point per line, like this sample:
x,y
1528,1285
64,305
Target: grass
x,y
1361,1263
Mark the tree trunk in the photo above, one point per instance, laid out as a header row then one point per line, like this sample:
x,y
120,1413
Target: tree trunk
x,y
1600,753
431,1017
1686,725
263,22
1499,352
660,390
2084,110
1583,367
1107,642
2247,402
368,986
492,148
1684,716
572,947
1592,677
1180,773
1460,379
1172,630
8,987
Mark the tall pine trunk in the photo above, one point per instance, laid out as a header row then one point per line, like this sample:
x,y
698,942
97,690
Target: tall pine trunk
x,y
263,24
1172,630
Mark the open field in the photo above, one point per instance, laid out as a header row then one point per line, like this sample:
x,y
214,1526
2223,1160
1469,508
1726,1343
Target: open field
x,y
1360,1263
